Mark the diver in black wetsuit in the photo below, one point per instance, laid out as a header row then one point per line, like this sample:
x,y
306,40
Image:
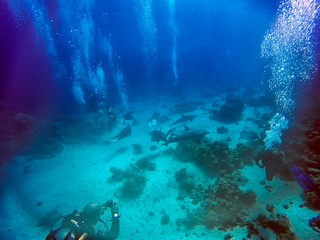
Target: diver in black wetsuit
x,y
82,225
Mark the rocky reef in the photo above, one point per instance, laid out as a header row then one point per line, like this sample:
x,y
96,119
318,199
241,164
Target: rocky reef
x,y
213,157
132,179
279,224
220,205
230,111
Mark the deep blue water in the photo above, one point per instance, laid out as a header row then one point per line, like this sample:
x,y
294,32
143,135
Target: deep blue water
x,y
216,42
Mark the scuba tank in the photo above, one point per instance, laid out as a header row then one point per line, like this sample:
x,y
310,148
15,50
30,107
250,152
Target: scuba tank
x,y
61,234
64,233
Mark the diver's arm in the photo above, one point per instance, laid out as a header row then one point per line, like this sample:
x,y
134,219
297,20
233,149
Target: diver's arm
x,y
114,230
112,234
115,223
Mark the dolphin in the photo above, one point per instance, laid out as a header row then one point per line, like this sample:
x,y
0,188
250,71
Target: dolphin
x,y
186,135
125,132
183,119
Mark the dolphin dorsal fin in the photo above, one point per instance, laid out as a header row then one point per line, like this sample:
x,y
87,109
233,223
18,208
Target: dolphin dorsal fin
x,y
186,128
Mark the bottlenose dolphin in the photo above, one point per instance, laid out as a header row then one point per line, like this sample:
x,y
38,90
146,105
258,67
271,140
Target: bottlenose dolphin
x,y
125,132
183,119
186,135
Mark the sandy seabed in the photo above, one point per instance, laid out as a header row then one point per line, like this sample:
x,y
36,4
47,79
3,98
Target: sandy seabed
x,y
79,174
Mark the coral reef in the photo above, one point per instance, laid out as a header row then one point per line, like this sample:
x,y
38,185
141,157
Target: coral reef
x,y
230,111
137,148
212,157
226,205
145,164
133,186
222,205
246,152
222,130
132,178
312,199
192,219
314,223
186,183
279,224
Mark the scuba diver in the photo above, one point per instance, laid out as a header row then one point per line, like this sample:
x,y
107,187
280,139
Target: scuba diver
x,y
82,225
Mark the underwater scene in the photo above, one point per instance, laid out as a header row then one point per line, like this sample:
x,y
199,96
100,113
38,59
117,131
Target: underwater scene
x,y
160,119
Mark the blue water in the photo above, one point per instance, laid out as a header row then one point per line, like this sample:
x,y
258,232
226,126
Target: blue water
x,y
91,85
210,40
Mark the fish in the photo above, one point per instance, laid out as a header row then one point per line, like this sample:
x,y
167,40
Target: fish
x,y
183,119
186,135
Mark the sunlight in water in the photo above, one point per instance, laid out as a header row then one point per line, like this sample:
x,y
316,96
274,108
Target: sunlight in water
x,y
86,37
173,26
148,29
